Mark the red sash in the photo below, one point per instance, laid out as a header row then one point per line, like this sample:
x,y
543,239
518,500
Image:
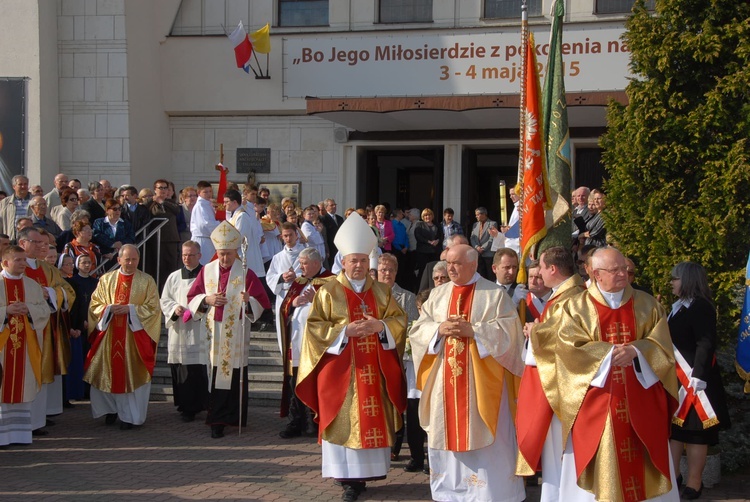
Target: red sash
x,y
21,339
689,398
456,377
636,434
532,308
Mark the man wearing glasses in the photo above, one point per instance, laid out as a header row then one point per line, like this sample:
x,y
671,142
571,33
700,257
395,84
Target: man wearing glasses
x,y
616,388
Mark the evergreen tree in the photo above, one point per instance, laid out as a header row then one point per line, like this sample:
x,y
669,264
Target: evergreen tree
x,y
677,156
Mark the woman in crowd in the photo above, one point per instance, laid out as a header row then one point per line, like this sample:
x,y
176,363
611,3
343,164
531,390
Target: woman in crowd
x,y
81,245
440,273
311,232
65,265
69,203
429,238
111,232
386,233
703,411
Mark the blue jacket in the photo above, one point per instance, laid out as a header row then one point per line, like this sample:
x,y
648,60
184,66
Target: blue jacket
x,y
401,240
103,234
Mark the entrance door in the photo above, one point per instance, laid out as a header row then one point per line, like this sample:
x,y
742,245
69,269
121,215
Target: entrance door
x,y
402,179
481,173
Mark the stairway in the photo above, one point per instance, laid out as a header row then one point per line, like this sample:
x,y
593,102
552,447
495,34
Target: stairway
x,y
264,371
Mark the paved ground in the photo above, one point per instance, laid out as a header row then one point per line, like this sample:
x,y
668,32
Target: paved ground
x,y
166,459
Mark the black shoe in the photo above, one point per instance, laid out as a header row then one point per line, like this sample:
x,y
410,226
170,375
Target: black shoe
x,y
679,481
49,423
39,432
125,426
110,419
426,469
691,493
188,417
352,490
412,466
289,433
217,431
68,405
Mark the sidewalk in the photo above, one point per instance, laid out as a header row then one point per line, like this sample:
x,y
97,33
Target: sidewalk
x,y
166,459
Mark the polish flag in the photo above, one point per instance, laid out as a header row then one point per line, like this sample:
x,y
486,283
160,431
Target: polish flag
x,y
243,49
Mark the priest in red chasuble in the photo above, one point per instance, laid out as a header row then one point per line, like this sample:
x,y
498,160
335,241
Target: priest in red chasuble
x,y
615,389
23,313
350,371
221,297
124,329
467,351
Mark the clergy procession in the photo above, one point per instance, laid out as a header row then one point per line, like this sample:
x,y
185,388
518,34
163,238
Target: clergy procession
x,y
576,379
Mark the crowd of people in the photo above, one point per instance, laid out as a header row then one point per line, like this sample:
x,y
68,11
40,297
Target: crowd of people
x,y
390,323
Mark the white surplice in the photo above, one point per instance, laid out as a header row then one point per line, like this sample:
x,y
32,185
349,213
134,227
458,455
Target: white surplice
x,y
249,227
283,261
188,342
202,223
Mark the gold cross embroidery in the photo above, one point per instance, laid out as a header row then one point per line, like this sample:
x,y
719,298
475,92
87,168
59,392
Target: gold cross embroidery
x,y
371,407
368,375
621,410
236,281
224,230
374,438
366,344
618,375
628,451
632,488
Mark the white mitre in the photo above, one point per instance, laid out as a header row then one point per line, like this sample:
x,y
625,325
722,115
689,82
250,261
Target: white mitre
x,y
355,236
225,236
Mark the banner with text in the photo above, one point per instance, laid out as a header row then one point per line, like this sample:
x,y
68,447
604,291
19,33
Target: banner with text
x,y
446,64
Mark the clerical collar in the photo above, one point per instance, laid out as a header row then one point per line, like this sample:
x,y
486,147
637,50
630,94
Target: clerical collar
x,y
357,286
32,263
471,281
9,276
191,274
554,289
612,299
122,272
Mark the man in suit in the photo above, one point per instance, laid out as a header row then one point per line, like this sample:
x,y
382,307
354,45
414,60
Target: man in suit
x,y
132,212
505,270
331,222
538,293
481,240
580,209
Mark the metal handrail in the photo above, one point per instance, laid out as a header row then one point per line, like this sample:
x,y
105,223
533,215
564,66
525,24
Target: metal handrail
x,y
140,244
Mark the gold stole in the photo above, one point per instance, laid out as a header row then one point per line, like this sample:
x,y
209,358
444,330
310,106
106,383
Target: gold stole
x,y
226,347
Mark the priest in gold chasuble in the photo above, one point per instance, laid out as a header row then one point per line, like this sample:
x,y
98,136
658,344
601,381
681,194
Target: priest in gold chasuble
x,y
23,313
615,390
350,371
467,351
124,329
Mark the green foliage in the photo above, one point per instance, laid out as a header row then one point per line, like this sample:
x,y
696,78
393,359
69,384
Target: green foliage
x,y
678,155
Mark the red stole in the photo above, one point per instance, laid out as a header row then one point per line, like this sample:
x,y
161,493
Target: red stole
x,y
20,340
637,435
456,376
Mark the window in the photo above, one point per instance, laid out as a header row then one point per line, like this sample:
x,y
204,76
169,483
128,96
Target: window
x,y
303,12
405,11
619,6
510,9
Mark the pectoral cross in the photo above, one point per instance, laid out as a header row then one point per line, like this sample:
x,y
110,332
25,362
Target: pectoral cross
x,y
374,438
368,375
364,310
371,407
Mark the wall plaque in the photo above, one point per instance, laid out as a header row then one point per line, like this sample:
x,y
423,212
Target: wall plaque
x,y
253,159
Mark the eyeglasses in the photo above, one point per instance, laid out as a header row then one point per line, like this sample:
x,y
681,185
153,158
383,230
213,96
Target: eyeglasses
x,y
440,278
162,187
615,270
72,200
116,208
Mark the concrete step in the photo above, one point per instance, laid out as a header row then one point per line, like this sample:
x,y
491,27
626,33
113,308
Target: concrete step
x,y
265,374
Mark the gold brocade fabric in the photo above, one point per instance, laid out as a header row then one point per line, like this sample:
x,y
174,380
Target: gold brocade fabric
x,y
577,356
145,298
329,315
61,336
496,325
